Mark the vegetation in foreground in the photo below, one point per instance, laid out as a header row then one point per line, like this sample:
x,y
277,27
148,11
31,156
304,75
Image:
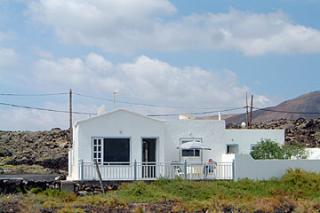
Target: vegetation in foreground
x,y
296,191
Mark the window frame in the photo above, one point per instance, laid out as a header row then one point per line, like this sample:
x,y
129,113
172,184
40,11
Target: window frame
x,y
124,163
228,145
186,139
191,156
102,151
93,145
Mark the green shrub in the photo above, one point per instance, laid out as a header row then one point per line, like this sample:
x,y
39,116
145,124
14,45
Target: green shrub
x,y
302,183
268,149
54,193
36,190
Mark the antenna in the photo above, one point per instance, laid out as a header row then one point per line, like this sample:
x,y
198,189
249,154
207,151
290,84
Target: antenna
x,y
114,94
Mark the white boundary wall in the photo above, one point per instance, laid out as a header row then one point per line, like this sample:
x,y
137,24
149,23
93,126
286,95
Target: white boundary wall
x,y
246,167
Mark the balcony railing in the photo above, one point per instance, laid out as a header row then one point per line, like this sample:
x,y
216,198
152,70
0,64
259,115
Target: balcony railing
x,y
155,170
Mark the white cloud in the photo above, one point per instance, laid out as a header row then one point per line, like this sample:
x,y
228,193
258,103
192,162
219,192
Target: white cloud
x,y
144,80
122,25
26,119
23,119
8,57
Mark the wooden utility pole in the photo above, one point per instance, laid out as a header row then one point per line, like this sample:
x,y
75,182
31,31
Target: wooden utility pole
x,y
247,110
70,114
251,110
99,176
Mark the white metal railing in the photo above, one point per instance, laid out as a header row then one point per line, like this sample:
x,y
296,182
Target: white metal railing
x,y
155,170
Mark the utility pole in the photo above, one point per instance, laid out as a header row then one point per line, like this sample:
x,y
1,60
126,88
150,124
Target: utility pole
x,y
247,110
70,114
251,110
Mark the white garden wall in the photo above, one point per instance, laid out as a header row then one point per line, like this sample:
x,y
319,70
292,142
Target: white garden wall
x,y
246,138
211,132
246,167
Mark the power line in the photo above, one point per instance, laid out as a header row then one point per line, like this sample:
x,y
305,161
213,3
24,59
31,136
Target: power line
x,y
89,113
45,109
195,113
143,104
29,95
288,112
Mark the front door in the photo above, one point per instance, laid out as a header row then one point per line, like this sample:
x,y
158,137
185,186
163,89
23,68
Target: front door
x,y
149,157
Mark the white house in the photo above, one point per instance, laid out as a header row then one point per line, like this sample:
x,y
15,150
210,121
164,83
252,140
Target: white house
x,y
130,146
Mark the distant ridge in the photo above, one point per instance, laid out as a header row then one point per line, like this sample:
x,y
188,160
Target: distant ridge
x,y
309,102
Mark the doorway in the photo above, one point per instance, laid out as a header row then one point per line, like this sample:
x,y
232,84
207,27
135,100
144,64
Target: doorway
x,y
149,156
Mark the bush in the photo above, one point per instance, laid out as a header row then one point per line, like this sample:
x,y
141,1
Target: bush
x,y
298,179
268,149
294,151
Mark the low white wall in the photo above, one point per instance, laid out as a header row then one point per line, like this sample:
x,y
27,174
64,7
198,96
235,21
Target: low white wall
x,y
246,138
313,153
246,167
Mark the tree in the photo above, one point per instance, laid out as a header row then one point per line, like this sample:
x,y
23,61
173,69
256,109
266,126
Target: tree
x,y
268,149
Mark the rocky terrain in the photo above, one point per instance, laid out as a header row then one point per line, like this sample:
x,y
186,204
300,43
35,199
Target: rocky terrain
x,y
302,131
46,148
50,148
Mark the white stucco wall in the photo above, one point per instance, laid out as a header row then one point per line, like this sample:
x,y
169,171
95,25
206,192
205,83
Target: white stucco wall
x,y
245,138
211,132
246,167
122,124
313,153
75,157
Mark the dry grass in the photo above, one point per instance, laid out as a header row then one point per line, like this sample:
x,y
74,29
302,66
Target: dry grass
x,y
297,191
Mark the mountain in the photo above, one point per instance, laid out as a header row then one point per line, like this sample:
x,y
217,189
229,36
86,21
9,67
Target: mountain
x,y
309,102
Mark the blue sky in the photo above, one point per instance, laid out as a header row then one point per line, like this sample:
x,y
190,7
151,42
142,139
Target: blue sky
x,y
190,53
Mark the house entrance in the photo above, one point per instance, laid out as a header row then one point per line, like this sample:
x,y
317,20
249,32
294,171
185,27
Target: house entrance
x,y
149,157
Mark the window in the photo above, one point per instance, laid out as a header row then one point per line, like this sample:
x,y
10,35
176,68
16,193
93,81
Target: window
x,y
97,150
232,149
116,151
190,153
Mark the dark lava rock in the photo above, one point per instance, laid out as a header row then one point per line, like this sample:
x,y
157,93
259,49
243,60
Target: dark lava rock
x,y
46,148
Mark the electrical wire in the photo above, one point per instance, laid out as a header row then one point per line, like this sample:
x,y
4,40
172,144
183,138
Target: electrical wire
x,y
45,109
196,113
140,104
143,104
29,95
288,112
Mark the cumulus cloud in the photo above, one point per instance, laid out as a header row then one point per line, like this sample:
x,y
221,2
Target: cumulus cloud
x,y
8,57
146,80
121,25
143,80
